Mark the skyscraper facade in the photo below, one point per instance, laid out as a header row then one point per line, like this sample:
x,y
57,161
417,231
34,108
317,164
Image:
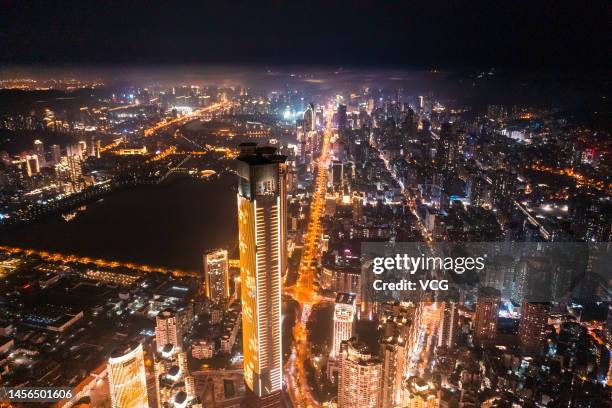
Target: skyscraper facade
x,y
56,153
167,330
173,383
39,150
344,315
261,204
216,274
534,318
485,318
127,378
448,324
393,356
359,376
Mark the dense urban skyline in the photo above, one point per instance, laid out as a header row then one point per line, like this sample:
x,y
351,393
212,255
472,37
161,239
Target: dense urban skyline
x,y
338,205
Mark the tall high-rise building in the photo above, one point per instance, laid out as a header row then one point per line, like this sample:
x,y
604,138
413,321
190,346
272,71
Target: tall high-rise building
x,y
396,325
56,153
337,173
70,169
447,329
300,130
357,206
39,150
74,149
344,316
32,165
359,376
393,354
173,383
83,145
534,318
216,274
447,152
485,316
168,330
342,118
93,148
261,210
127,378
309,118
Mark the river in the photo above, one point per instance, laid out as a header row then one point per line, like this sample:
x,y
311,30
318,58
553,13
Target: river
x,y
170,225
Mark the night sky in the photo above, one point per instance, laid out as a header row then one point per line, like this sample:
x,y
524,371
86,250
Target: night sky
x,y
431,34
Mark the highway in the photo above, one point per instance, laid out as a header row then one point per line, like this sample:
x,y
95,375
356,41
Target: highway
x,y
305,291
183,119
427,314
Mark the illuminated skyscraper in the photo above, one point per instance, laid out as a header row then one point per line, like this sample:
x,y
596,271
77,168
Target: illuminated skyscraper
x,y
447,152
395,322
127,378
359,376
534,318
167,330
74,150
448,324
216,274
393,355
342,118
83,145
70,169
173,384
337,173
56,153
39,150
309,118
357,205
485,316
32,165
344,315
301,140
261,210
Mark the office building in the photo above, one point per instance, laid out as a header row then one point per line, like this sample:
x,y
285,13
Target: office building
x,y
359,376
534,318
337,173
74,149
173,384
448,324
127,378
309,118
344,316
168,330
261,209
39,150
342,118
32,165
393,352
56,153
216,274
485,316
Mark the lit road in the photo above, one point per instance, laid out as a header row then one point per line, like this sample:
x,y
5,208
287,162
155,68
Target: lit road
x,y
150,131
427,314
305,291
183,119
57,257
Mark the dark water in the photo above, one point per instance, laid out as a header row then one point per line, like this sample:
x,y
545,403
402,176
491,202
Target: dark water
x,y
169,225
